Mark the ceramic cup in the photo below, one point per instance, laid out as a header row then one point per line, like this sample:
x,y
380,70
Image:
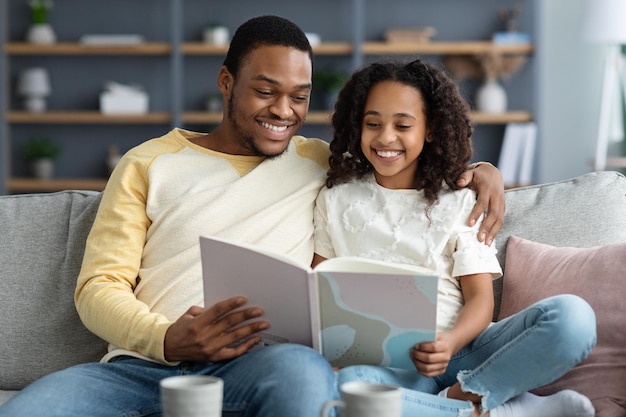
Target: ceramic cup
x,y
362,399
192,396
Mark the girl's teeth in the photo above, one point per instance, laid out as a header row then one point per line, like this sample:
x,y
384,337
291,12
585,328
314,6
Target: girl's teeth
x,y
388,154
274,128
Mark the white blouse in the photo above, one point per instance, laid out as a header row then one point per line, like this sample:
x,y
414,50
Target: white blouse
x,y
364,219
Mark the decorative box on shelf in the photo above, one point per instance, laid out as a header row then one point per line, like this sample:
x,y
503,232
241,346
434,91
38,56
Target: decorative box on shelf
x,y
122,99
107,40
416,35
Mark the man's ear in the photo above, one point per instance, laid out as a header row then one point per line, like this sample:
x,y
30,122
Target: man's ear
x,y
225,81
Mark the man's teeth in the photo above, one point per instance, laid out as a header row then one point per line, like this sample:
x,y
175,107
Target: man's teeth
x,y
274,128
388,154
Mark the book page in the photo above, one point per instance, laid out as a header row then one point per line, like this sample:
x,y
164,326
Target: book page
x,y
375,318
356,264
276,285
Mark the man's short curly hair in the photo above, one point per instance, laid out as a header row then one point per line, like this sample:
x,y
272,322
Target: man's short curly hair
x,y
448,125
261,31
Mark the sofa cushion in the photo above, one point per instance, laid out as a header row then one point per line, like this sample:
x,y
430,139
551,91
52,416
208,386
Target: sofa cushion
x,y
588,210
535,271
41,249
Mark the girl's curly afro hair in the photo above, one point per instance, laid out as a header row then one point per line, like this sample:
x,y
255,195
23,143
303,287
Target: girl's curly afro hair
x,y
448,125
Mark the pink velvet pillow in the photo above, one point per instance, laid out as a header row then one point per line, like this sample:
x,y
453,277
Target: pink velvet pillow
x,y
534,271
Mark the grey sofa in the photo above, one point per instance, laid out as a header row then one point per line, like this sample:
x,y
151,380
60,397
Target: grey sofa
x,y
42,238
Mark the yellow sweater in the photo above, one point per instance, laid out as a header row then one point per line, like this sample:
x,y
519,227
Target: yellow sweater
x,y
142,270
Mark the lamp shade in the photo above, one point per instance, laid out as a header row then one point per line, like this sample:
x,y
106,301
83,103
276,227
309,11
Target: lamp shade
x,y
34,82
605,22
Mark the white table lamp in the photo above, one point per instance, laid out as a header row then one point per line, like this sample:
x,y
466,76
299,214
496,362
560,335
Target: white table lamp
x,y
34,86
605,24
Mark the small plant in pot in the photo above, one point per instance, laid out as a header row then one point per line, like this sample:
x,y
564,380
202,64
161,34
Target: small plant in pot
x,y
42,152
329,82
40,31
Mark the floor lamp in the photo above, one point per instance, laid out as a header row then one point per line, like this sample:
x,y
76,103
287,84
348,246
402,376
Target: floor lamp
x,y
605,24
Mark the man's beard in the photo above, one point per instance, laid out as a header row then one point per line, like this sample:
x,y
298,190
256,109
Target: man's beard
x,y
244,139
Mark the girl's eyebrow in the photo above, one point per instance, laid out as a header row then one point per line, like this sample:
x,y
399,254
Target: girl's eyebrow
x,y
375,113
410,116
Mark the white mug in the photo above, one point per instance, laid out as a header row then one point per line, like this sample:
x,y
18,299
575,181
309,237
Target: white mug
x,y
363,399
192,396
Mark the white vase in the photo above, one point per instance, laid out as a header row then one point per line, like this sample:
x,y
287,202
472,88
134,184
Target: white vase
x,y
43,168
41,33
217,35
491,97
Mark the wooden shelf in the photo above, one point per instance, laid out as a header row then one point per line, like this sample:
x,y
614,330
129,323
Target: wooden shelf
x,y
27,185
188,48
328,48
501,118
616,162
324,117
201,48
443,48
333,48
319,117
86,117
24,48
202,117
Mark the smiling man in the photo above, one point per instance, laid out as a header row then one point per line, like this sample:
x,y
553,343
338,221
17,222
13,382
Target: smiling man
x,y
266,100
140,287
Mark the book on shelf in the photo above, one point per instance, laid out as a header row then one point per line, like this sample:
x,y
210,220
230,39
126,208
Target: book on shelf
x,y
528,154
352,310
517,154
511,38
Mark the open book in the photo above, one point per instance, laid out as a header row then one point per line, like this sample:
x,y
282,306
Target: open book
x,y
352,310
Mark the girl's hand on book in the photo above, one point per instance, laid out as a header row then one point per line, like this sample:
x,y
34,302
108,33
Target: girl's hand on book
x,y
432,358
214,334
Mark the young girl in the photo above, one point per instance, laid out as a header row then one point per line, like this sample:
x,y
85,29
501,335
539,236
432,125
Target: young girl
x,y
402,135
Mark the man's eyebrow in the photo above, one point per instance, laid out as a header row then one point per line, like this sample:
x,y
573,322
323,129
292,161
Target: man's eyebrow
x,y
267,79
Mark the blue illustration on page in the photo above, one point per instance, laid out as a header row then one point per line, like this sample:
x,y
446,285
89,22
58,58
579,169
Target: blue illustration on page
x,y
369,319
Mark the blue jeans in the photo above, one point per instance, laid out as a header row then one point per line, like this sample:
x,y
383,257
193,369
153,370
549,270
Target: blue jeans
x,y
522,352
280,380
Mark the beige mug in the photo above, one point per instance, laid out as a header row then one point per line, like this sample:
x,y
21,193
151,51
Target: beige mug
x,y
364,399
192,396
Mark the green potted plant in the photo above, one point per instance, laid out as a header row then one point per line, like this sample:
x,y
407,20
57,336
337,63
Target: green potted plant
x,y
40,31
329,81
42,152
